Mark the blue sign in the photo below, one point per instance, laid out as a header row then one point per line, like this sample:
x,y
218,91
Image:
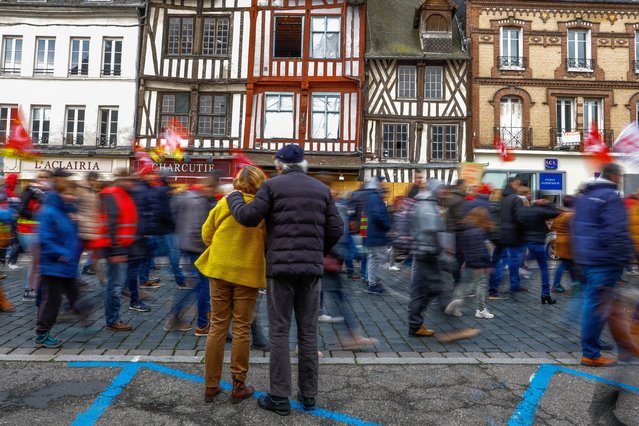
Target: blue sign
x,y
551,163
551,181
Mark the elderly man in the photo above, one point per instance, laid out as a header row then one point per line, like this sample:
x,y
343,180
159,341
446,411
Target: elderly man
x,y
302,224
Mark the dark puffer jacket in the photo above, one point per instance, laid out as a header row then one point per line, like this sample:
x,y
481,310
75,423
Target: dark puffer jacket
x,y
534,224
600,235
510,231
473,246
302,223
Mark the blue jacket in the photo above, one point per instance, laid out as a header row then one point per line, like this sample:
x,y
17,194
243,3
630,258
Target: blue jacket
x,y
473,246
59,241
379,220
600,235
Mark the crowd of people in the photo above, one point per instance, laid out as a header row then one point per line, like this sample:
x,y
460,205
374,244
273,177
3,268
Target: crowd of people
x,y
295,236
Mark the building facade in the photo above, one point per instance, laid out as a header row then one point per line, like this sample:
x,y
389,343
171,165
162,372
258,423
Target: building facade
x,y
71,69
542,74
416,92
306,70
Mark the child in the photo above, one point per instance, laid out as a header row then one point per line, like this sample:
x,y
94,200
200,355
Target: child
x,y
478,266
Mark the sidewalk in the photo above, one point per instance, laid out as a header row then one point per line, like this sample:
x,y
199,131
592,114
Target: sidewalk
x,y
522,329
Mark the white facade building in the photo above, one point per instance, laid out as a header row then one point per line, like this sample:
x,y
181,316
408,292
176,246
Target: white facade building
x,y
71,68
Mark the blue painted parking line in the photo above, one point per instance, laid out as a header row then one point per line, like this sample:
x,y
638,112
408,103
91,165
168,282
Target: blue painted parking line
x,y
130,369
524,415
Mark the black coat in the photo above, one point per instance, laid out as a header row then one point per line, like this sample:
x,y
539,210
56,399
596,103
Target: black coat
x,y
534,219
510,231
473,246
302,223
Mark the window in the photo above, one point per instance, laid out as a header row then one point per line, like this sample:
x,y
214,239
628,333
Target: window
x,y
579,50
436,23
444,143
108,135
111,56
326,116
45,53
175,106
40,124
406,81
510,122
278,116
567,123
325,37
75,126
511,48
180,36
6,112
215,36
212,115
79,56
287,41
395,141
434,83
11,55
593,113
636,52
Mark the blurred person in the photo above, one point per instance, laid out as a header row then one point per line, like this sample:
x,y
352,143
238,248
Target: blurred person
x,y
350,249
535,225
234,261
563,247
14,249
190,210
378,223
510,234
602,247
631,202
357,225
60,251
454,203
474,240
6,216
118,228
419,183
27,227
89,220
496,258
302,223
151,212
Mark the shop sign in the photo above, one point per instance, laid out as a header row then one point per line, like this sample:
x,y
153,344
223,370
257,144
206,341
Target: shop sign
x,y
195,168
551,163
551,181
79,165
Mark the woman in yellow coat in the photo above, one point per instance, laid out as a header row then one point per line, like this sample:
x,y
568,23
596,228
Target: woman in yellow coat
x,y
234,261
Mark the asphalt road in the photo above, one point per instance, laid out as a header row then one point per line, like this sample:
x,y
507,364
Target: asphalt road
x,y
60,393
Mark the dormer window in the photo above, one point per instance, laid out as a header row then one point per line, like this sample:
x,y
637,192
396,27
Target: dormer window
x,y
435,30
436,23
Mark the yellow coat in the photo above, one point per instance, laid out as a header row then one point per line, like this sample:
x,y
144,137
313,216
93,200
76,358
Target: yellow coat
x,y
235,253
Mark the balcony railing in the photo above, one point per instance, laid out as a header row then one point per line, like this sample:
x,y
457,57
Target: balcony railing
x,y
9,70
574,140
107,71
79,71
107,141
580,64
40,140
74,140
515,137
43,71
511,62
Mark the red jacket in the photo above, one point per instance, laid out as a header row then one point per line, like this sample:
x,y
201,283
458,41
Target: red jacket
x,y
118,224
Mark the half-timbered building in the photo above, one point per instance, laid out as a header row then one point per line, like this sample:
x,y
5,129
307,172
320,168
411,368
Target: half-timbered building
x,y
194,66
416,89
306,71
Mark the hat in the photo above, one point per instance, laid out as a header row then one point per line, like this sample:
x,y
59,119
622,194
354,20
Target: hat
x,y
290,154
59,172
122,173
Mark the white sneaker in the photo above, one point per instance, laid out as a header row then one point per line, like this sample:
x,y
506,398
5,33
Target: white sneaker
x,y
13,266
328,318
454,308
484,314
393,268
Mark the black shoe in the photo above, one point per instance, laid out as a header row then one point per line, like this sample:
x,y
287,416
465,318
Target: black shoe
x,y
519,289
307,401
548,299
279,405
605,346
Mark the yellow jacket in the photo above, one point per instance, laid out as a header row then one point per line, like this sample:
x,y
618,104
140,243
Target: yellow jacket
x,y
235,253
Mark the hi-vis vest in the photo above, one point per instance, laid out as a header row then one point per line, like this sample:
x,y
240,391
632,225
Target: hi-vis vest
x,y
126,222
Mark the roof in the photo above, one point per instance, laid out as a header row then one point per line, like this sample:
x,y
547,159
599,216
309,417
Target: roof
x,y
397,38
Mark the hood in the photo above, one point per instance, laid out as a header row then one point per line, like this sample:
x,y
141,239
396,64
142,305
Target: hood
x,y
601,183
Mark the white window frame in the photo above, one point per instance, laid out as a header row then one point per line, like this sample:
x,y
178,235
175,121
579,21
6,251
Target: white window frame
x,y
40,118
389,146
217,41
505,48
271,125
446,153
76,135
115,68
5,120
590,107
439,90
513,136
107,134
46,67
404,85
327,115
12,64
575,42
324,34
82,69
636,64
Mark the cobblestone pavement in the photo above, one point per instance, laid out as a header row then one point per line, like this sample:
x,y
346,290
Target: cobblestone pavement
x,y
521,329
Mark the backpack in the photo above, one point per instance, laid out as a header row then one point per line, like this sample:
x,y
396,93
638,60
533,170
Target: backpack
x,y
401,235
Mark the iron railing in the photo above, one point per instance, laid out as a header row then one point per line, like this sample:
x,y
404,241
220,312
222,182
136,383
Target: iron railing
x,y
110,71
580,64
40,140
74,140
515,137
507,62
107,141
10,70
43,71
574,140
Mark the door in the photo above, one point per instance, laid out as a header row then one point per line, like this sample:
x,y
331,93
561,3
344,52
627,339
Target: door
x,y
510,119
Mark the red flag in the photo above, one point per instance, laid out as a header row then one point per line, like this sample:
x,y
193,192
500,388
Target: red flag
x,y
240,160
502,150
595,148
173,135
19,143
145,163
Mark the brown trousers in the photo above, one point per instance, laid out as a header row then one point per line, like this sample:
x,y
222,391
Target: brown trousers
x,y
229,300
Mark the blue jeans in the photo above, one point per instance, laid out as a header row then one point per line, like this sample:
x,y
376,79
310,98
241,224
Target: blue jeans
x,y
599,295
29,243
145,266
349,254
167,245
512,257
564,265
538,252
116,278
132,274
201,291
